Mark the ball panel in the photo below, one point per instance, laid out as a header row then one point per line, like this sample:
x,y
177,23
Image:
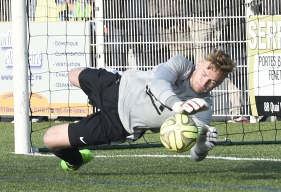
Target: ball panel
x,y
166,136
178,133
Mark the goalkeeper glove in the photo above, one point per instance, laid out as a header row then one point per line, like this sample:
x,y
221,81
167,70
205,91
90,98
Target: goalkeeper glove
x,y
191,106
206,141
207,138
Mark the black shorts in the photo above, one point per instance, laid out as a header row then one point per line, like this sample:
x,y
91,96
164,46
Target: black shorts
x,y
104,126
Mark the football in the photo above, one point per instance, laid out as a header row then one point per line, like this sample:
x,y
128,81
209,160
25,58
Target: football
x,y
178,133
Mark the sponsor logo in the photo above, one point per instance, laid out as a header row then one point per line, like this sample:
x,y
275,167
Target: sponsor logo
x,y
82,140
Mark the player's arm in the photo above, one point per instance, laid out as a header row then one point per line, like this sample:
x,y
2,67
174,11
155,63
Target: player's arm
x,y
208,135
207,139
165,76
176,69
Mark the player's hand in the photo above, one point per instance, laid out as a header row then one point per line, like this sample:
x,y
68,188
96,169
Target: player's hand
x,y
207,138
191,106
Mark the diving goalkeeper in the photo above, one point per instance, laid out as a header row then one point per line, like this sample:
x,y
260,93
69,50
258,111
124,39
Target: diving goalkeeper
x,y
132,102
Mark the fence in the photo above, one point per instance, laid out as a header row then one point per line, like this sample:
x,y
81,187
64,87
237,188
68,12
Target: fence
x,y
141,34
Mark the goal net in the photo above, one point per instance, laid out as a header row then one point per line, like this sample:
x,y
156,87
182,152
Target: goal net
x,y
132,34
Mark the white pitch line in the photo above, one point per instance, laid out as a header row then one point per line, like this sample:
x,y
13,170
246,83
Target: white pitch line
x,y
173,156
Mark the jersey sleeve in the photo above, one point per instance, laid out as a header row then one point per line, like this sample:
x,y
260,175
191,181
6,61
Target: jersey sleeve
x,y
166,74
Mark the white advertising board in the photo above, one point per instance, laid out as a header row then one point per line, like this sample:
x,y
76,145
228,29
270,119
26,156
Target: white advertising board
x,y
54,48
264,53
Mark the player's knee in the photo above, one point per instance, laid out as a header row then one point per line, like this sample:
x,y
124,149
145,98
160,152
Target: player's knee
x,y
47,138
56,137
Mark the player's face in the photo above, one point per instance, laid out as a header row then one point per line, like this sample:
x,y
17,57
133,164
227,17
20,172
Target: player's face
x,y
203,79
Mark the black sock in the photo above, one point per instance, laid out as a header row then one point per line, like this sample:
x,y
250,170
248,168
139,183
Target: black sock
x,y
70,155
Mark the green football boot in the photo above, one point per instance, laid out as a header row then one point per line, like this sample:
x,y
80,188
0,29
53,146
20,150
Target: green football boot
x,y
86,158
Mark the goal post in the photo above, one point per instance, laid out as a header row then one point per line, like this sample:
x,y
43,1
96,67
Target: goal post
x,y
20,75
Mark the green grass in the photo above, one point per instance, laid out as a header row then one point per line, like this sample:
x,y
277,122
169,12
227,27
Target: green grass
x,y
129,170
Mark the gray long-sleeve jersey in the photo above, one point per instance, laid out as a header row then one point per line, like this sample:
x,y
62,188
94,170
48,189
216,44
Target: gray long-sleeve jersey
x,y
146,97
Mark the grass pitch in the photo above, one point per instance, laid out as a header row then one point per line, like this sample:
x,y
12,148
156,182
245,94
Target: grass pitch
x,y
227,168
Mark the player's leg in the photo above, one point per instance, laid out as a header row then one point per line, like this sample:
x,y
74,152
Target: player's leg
x,y
56,137
57,140
103,127
97,129
73,76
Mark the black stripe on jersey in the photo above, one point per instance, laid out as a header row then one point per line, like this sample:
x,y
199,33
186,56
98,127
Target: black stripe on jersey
x,y
152,98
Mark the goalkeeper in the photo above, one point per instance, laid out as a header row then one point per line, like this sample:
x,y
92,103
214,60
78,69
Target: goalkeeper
x,y
132,102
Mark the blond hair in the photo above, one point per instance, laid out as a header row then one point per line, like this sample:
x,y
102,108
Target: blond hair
x,y
221,62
